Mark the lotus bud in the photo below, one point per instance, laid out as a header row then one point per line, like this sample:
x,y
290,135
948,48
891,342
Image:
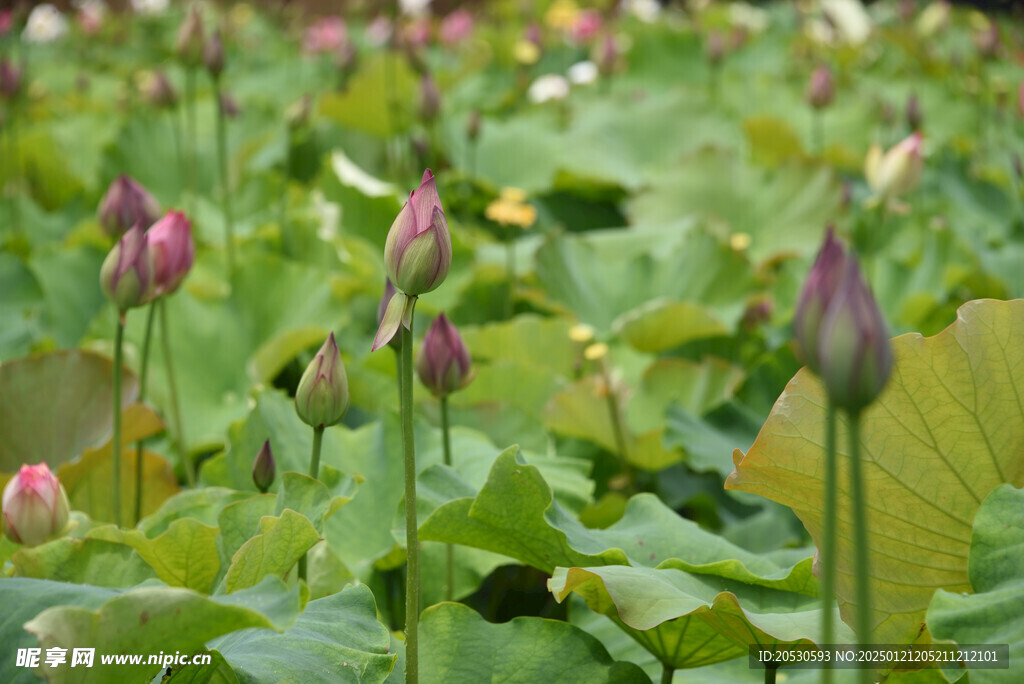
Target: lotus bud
x,y
897,171
915,117
418,250
170,243
856,357
473,125
10,79
189,43
6,21
126,276
263,468
818,293
229,106
159,92
456,27
213,55
125,204
322,396
444,364
608,55
715,48
430,99
821,89
35,506
987,42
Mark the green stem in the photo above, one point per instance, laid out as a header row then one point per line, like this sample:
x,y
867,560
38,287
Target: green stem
x,y
115,453
449,591
860,540
190,134
818,131
510,274
172,387
143,374
828,545
667,672
769,673
287,178
618,429
225,187
179,156
412,578
314,472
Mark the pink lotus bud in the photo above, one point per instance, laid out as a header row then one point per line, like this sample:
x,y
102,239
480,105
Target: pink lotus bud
x,y
444,364
379,31
585,26
430,99
987,42
170,243
416,34
125,204
456,27
321,399
213,55
608,56
326,34
263,468
189,42
229,106
533,35
35,506
715,48
126,276
818,292
856,357
418,250
10,79
159,92
897,171
90,16
821,89
6,21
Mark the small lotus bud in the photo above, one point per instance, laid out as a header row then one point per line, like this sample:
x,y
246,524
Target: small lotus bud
x,y
608,55
821,89
125,204
170,243
715,48
418,250
229,106
322,396
430,99
444,364
818,292
915,117
6,21
213,55
159,92
189,43
263,468
856,357
456,27
473,125
897,171
10,79
126,276
35,506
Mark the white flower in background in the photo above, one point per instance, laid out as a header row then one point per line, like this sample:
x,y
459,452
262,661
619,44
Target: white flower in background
x,y
150,7
45,24
583,73
850,19
646,11
413,7
753,19
548,87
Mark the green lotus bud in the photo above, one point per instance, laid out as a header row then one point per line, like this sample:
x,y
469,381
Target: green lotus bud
x,y
35,506
322,397
263,468
418,250
126,276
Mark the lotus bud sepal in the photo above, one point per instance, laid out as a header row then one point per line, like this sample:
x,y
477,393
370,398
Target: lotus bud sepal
x,y
35,506
322,397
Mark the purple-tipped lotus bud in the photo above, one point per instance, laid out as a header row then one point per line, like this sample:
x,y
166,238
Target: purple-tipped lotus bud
x,y
418,250
125,204
172,248
608,55
263,468
213,55
229,106
444,364
818,292
430,99
189,42
715,48
35,506
159,92
322,396
915,117
473,125
126,277
821,89
856,357
10,79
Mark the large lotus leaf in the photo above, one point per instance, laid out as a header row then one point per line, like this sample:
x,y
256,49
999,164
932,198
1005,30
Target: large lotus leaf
x,y
719,618
457,645
96,562
70,283
586,274
281,542
943,434
204,505
21,307
217,671
660,325
514,514
336,639
25,598
156,618
710,439
366,106
992,614
53,406
531,341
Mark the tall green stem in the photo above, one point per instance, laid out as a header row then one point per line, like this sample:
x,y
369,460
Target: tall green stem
x,y
412,578
314,472
769,673
860,540
143,374
190,134
618,429
828,545
449,591
115,453
818,131
225,186
667,672
510,275
165,338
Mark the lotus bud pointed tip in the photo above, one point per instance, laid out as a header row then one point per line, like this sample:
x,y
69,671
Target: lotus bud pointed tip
x,y
264,468
322,397
444,364
213,54
821,89
35,506
189,41
418,250
126,203
818,292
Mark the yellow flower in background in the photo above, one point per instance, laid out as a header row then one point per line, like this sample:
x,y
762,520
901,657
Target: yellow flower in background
x,y
581,333
526,52
562,14
241,13
511,209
